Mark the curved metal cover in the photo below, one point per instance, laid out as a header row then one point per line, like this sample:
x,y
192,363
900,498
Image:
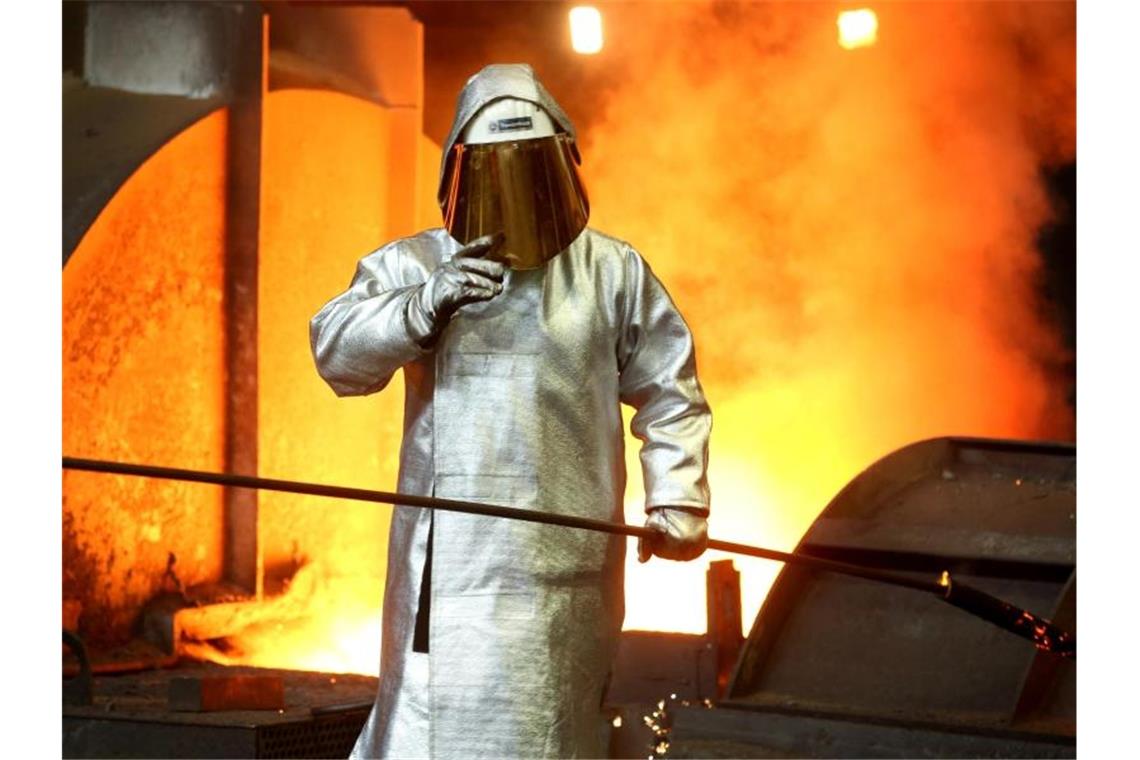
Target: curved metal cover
x,y
1000,515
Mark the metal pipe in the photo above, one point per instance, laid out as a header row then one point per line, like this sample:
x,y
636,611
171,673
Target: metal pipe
x,y
1041,632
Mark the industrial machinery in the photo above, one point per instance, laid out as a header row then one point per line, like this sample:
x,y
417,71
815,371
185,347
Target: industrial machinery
x,y
838,666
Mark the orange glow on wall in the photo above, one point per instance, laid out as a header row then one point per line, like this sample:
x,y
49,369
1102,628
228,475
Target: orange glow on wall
x,y
327,173
143,374
324,191
325,181
144,379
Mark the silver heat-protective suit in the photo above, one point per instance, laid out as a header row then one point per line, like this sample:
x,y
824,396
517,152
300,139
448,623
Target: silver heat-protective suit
x,y
516,401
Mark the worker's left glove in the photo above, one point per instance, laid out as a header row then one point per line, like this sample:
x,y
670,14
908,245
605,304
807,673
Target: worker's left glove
x,y
683,534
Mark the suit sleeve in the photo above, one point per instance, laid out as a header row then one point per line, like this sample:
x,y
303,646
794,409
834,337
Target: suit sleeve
x,y
360,338
658,377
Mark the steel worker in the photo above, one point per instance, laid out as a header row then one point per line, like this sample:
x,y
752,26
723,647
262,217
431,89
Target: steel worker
x,y
520,331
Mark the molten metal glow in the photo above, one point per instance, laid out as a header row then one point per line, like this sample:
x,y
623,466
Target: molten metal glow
x,y
857,28
321,622
586,29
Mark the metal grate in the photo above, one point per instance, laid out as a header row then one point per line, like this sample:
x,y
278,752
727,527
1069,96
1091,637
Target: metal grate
x,y
325,736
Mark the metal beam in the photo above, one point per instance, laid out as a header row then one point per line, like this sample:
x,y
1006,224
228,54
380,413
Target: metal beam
x,y
243,562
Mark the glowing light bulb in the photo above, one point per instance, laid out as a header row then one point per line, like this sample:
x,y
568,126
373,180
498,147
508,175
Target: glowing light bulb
x,y
858,28
585,29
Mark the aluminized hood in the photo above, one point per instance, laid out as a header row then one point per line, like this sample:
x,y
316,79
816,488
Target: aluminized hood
x,y
499,80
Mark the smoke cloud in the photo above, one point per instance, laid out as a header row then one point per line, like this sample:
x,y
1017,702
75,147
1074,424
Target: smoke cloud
x,y
851,234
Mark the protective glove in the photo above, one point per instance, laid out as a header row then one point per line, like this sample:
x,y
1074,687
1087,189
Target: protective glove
x,y
684,533
465,278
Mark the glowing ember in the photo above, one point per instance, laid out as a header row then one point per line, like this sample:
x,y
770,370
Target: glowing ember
x,y
857,28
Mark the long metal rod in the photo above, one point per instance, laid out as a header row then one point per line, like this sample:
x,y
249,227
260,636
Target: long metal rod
x,y
1001,613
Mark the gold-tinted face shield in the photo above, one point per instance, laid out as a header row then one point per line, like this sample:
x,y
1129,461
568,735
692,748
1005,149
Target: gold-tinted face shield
x,y
527,189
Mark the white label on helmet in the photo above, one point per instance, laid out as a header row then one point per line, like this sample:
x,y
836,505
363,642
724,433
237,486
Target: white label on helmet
x,y
515,124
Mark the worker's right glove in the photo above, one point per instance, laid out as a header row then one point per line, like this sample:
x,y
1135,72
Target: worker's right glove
x,y
463,279
683,534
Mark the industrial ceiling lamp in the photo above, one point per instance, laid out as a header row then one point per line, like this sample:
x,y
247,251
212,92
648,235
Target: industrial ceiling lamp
x,y
585,29
858,28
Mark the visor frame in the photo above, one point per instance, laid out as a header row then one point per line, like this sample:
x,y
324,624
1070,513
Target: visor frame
x,y
528,189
